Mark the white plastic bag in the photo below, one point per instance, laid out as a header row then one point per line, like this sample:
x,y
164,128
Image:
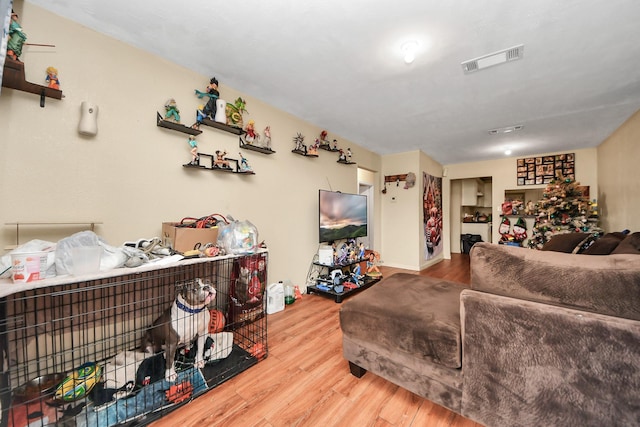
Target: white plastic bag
x,y
111,258
239,237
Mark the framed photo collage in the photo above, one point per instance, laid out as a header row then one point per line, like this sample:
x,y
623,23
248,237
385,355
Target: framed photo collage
x,y
542,170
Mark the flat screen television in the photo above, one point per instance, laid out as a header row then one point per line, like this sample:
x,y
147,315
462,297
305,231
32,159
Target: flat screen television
x,y
342,216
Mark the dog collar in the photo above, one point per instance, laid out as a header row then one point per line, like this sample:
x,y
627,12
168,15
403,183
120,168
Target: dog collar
x,y
183,307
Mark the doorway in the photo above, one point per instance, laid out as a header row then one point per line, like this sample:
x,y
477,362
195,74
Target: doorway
x,y
368,190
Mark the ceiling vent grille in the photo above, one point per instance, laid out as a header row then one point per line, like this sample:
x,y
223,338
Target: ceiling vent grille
x,y
507,129
496,58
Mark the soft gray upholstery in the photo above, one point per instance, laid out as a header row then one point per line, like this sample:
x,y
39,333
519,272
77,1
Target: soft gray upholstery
x,y
548,338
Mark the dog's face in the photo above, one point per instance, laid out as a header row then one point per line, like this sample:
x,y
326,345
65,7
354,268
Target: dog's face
x,y
198,292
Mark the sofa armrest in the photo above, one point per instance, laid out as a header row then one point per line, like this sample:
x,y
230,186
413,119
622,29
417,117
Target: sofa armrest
x,y
527,363
608,284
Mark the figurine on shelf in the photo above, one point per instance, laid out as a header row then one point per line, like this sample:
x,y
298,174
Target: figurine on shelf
x,y
342,156
362,251
244,164
335,146
300,147
199,116
209,110
530,209
171,110
52,78
266,140
313,148
17,37
221,162
323,140
372,267
356,275
349,155
235,111
251,134
195,158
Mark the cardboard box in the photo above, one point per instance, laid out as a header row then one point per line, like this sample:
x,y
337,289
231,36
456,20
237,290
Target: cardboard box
x,y
184,239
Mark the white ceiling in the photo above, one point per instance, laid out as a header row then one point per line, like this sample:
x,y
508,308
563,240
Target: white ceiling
x,y
338,64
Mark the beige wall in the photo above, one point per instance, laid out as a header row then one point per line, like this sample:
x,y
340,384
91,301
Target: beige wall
x,y
503,173
403,237
619,177
130,176
401,214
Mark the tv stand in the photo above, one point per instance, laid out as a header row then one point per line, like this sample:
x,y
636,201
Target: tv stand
x,y
321,282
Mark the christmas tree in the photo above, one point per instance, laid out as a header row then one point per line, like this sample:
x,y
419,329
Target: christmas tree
x,y
563,209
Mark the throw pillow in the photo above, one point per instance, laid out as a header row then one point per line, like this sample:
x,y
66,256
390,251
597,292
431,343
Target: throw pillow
x,y
565,242
606,244
630,245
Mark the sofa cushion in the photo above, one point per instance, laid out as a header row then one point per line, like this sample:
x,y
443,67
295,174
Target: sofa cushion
x,y
408,313
605,244
603,284
565,242
630,245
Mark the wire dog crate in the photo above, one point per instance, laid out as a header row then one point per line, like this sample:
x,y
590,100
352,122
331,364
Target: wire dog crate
x,y
71,351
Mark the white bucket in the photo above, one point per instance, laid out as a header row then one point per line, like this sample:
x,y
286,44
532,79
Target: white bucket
x,y
85,259
28,266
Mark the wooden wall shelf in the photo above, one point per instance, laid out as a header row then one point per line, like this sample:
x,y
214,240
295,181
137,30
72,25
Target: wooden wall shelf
x,y
167,124
14,78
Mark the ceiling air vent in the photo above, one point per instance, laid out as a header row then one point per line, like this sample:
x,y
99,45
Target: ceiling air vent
x,y
507,129
496,58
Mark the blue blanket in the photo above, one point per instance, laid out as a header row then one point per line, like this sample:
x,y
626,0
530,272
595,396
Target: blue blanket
x,y
150,398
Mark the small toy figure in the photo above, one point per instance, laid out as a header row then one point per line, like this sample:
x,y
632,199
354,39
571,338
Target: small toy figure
x,y
530,209
244,165
362,251
171,110
372,267
349,155
266,141
251,134
344,254
335,145
313,148
356,275
52,78
199,116
299,141
234,112
323,138
221,162
209,110
195,159
342,157
17,37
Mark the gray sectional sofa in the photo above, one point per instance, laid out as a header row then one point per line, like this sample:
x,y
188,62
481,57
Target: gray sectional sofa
x,y
539,338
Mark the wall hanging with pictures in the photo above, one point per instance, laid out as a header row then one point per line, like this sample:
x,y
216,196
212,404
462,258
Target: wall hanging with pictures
x,y
542,170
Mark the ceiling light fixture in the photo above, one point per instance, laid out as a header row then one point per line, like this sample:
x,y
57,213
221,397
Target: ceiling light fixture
x,y
507,152
409,51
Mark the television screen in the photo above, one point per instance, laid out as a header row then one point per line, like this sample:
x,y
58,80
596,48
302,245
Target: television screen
x,y
342,216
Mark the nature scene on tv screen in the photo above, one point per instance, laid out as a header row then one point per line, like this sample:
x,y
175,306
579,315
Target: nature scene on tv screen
x,y
342,216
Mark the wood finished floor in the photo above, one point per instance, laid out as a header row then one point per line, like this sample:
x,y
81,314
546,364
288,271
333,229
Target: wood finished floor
x,y
305,381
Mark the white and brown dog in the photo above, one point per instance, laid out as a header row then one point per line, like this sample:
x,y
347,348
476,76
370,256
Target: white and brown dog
x,y
183,322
